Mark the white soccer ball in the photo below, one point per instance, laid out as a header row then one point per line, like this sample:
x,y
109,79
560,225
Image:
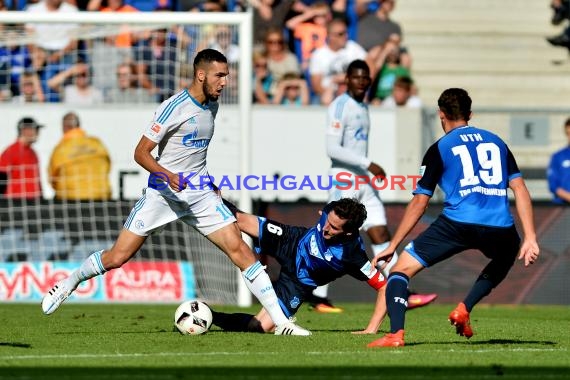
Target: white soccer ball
x,y
193,318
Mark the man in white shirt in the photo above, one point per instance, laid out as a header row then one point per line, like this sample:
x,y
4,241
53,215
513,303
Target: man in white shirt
x,y
328,64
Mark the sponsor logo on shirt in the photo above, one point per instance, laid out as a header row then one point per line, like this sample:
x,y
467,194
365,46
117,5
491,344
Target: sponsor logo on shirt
x,y
566,164
191,141
360,135
314,247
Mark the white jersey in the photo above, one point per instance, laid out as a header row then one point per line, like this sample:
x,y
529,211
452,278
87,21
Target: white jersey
x,y
348,124
182,127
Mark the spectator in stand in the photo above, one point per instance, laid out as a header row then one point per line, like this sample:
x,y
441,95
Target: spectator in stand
x,y
80,91
310,30
327,68
79,165
156,60
30,89
280,60
375,28
19,164
387,66
262,80
402,95
125,38
15,59
54,49
268,15
221,39
126,90
559,171
292,90
561,12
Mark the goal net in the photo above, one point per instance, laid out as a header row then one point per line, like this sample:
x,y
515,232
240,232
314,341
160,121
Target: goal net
x,y
46,59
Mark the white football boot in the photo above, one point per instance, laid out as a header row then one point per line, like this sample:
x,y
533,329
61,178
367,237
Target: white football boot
x,y
55,297
290,328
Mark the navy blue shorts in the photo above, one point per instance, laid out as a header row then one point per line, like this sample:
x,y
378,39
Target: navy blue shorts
x,y
445,238
280,241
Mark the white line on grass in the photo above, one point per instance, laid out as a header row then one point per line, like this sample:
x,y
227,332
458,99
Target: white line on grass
x,y
220,353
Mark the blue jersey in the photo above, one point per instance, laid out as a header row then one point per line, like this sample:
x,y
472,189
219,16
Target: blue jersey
x,y
310,259
320,261
559,173
473,168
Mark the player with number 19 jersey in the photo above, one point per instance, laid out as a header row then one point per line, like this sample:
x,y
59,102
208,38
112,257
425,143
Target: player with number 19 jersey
x,y
473,168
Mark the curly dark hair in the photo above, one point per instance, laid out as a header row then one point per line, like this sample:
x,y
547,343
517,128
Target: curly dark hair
x,y
455,103
351,210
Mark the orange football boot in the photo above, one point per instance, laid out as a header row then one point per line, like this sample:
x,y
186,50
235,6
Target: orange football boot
x,y
459,318
389,340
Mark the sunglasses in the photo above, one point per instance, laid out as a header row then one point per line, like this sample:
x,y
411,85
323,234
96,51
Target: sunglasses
x,y
274,42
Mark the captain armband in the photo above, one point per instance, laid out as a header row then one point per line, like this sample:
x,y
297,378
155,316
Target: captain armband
x,y
377,281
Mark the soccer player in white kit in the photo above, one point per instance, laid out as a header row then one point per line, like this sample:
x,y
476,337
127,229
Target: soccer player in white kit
x,y
182,128
348,125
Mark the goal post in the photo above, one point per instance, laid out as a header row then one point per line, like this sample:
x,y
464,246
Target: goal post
x,y
95,26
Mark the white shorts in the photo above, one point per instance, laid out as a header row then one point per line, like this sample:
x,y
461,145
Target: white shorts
x,y
201,209
366,194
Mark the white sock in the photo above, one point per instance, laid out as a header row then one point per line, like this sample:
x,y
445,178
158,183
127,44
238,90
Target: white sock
x,y
259,284
91,267
376,249
321,291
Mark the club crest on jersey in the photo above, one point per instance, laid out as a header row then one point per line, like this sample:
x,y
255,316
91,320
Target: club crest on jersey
x,y
192,120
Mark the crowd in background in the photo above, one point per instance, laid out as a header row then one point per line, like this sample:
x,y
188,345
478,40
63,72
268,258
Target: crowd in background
x,y
301,50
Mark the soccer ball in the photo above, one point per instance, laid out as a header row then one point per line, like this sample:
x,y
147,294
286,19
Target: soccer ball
x,y
193,318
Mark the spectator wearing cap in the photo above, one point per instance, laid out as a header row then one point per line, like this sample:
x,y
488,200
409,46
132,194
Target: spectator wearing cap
x,y
19,164
79,165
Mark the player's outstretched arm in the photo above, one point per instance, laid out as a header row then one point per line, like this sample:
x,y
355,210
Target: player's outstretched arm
x,y
529,249
378,315
414,212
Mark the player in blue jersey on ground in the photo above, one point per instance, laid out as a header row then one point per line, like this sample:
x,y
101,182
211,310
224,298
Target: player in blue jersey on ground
x,y
474,168
559,172
308,257
347,131
182,128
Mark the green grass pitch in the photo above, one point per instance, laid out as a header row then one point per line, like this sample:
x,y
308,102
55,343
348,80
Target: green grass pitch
x,y
137,342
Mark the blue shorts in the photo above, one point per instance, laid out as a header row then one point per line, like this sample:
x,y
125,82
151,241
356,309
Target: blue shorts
x,y
445,238
280,241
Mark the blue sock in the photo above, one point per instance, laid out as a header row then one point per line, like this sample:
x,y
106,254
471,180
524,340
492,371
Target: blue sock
x,y
481,288
397,300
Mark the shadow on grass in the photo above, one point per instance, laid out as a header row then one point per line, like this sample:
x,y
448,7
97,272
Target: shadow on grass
x,y
16,344
286,372
490,342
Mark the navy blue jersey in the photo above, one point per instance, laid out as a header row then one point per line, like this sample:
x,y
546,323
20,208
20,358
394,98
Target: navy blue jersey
x,y
320,261
473,168
306,255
